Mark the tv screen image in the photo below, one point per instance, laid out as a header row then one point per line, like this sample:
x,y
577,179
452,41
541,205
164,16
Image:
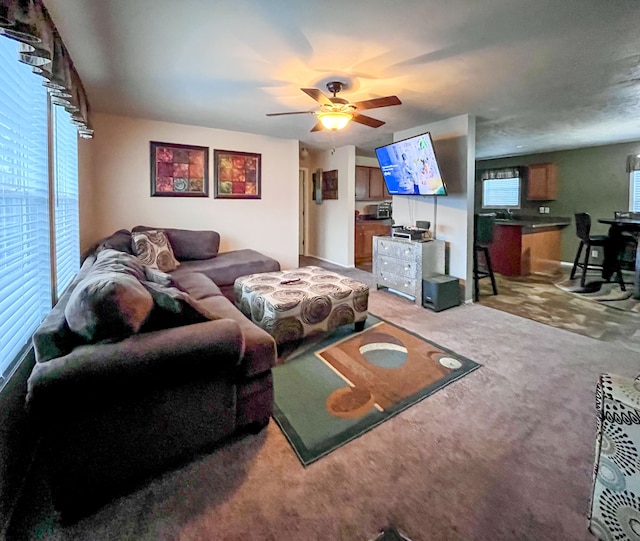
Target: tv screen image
x,y
409,167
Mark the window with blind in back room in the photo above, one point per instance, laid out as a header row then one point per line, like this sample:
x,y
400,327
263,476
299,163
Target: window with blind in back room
x,y
634,191
501,192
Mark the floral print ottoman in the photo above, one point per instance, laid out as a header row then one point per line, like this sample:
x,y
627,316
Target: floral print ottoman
x,y
292,304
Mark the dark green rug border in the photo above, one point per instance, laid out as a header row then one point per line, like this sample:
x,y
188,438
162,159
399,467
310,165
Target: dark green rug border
x,y
308,455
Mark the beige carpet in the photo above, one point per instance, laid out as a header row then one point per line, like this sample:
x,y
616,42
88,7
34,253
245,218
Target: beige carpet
x,y
503,454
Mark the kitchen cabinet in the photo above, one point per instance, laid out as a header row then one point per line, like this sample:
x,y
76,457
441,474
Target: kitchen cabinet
x,y
365,231
542,184
402,264
370,185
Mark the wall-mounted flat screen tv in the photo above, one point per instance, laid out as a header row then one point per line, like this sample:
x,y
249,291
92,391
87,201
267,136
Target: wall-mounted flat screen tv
x,y
409,167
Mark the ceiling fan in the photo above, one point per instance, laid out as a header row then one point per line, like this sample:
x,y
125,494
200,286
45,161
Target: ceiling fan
x,y
335,113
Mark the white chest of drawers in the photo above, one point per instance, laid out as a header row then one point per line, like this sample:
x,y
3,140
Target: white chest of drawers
x,y
401,264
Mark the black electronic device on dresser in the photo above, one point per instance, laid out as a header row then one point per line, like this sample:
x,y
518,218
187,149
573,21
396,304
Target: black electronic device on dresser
x,y
407,233
411,233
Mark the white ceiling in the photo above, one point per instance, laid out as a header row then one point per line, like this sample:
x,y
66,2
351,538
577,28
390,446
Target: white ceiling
x,y
538,74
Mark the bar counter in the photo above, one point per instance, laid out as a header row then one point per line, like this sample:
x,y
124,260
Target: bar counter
x,y
524,246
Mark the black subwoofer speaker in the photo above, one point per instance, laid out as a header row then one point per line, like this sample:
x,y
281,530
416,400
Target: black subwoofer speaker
x,y
440,292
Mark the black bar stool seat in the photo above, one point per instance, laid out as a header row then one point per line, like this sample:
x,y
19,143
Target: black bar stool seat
x,y
583,231
483,237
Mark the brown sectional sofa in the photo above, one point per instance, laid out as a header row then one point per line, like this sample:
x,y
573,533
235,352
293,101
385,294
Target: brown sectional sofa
x,y
115,412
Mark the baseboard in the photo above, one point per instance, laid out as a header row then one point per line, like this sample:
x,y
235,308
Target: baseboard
x,y
332,262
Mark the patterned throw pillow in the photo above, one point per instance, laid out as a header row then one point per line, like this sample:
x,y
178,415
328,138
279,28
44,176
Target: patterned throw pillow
x,y
153,249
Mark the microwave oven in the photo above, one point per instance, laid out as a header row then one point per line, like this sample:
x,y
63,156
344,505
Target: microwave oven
x,y
379,211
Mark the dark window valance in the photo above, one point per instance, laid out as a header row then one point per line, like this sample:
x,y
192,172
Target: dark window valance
x,y
633,163
29,22
503,172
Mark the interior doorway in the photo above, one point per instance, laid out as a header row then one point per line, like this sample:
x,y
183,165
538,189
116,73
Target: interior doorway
x,y
302,208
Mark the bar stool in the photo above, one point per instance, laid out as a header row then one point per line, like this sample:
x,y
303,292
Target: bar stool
x,y
583,231
628,253
483,237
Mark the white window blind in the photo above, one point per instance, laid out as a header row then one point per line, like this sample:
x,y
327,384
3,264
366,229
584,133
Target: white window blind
x,y
66,219
25,273
501,192
634,192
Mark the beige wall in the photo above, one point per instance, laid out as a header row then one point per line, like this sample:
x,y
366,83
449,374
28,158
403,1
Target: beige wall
x,y
120,187
454,141
332,223
367,161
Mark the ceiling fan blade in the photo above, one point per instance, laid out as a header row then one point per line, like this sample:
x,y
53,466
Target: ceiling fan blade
x,y
367,120
317,127
378,102
317,95
293,113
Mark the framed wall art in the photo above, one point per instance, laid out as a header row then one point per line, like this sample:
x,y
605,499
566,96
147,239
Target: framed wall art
x,y
237,175
330,184
179,170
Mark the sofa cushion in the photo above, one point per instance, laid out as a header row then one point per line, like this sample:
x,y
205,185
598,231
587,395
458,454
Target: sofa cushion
x,y
174,308
228,266
197,285
120,240
187,244
154,249
107,305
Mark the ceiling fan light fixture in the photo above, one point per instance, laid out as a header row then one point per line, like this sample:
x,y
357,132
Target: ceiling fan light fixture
x,y
334,120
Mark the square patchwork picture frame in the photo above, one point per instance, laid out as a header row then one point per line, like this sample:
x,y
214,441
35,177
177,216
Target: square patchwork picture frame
x,y
237,175
179,170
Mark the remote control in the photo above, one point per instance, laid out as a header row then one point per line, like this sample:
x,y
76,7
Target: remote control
x,y
292,281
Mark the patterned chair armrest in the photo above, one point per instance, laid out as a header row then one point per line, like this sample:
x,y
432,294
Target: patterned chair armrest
x,y
615,500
